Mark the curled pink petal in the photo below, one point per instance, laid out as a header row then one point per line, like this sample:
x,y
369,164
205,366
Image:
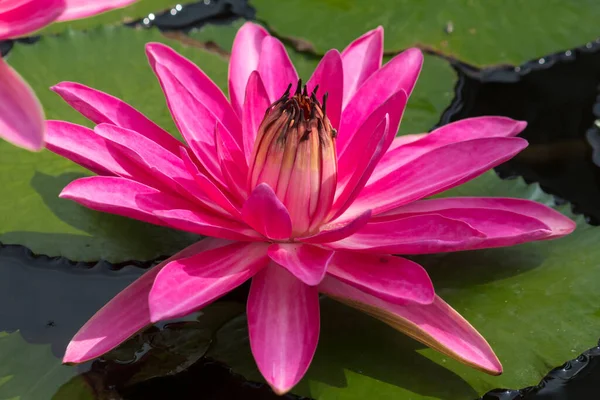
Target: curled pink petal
x,y
188,284
394,279
436,325
283,322
77,9
245,54
266,213
125,314
21,114
275,68
329,76
307,263
361,59
100,108
21,17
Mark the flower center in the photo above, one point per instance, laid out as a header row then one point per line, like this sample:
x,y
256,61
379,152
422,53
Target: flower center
x,y
294,153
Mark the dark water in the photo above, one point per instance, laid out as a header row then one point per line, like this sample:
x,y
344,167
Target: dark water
x,y
48,299
558,96
195,15
576,379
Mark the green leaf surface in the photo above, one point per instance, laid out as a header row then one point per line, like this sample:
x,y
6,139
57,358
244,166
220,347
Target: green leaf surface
x,y
29,371
537,304
479,32
138,10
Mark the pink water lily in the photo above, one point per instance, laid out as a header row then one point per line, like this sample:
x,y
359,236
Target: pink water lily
x,y
21,114
304,189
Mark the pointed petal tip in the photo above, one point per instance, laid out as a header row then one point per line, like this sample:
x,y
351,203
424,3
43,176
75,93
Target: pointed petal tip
x,y
253,25
520,126
280,390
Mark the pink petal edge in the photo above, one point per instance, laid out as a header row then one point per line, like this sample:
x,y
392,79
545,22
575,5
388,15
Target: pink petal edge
x,y
283,323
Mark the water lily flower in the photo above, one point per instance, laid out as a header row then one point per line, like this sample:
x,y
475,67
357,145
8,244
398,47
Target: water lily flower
x,y
21,114
304,189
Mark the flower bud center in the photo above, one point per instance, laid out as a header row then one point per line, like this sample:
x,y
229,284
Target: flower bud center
x,y
294,153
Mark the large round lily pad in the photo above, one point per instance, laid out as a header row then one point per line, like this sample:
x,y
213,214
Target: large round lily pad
x,y
537,304
479,32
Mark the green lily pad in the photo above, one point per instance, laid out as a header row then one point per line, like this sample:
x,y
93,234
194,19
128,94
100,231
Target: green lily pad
x,y
138,10
537,304
479,32
29,371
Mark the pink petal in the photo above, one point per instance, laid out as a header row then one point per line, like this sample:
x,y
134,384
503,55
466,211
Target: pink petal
x,y
283,323
132,199
204,223
434,172
405,139
399,74
307,263
233,164
77,9
361,156
275,68
338,231
361,59
504,221
193,119
466,129
188,284
419,234
125,314
147,161
100,108
21,114
266,213
255,106
204,91
21,17
82,146
208,187
329,76
394,106
245,54
356,172
394,279
436,325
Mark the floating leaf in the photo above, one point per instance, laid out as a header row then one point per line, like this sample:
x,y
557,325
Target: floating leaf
x,y
480,32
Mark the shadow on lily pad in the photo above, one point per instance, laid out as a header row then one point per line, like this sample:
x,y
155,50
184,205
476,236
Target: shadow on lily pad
x,y
354,349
